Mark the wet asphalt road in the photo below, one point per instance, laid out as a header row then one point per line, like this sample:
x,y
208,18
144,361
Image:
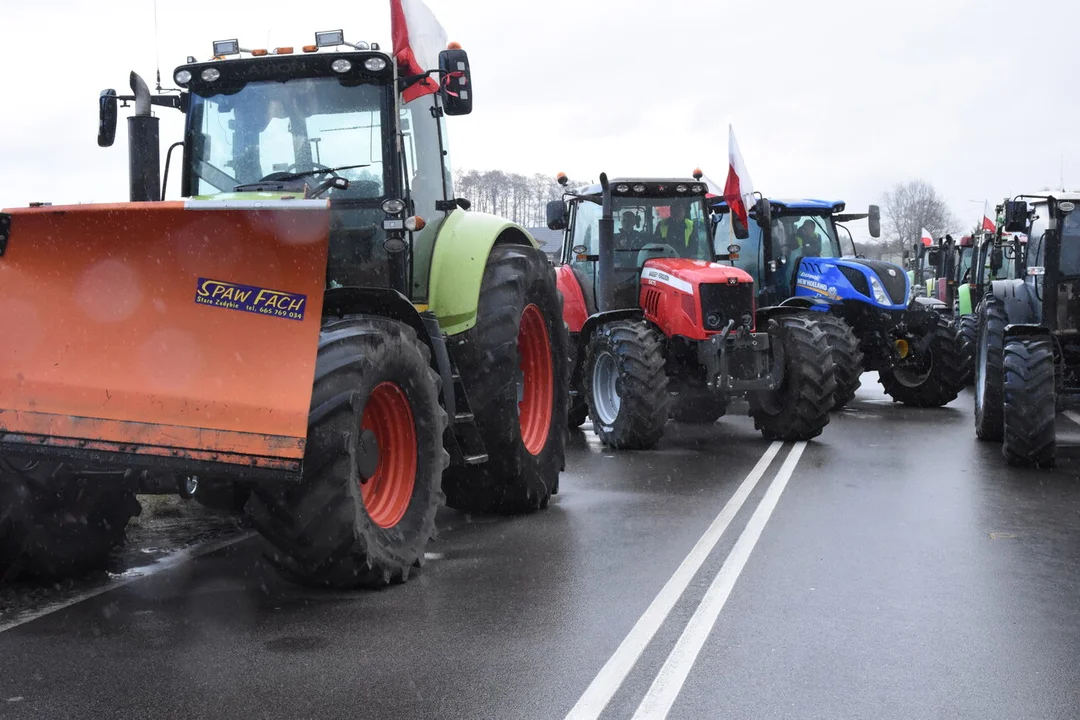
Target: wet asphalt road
x,y
895,567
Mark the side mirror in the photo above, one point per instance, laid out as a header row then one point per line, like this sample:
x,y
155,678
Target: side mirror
x,y
997,259
1016,216
556,215
106,133
906,255
455,82
874,221
763,211
933,256
463,203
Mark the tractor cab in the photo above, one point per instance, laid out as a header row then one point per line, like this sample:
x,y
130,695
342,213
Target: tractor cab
x,y
334,123
651,220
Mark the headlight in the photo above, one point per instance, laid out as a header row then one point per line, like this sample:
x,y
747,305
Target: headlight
x,y
375,64
880,296
680,188
341,66
393,207
639,188
623,188
210,74
183,77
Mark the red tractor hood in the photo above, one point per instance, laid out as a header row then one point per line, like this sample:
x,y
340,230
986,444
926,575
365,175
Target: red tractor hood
x,y
683,274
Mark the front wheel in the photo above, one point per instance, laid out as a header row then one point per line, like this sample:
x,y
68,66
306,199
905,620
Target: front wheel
x,y
364,510
966,335
931,371
847,358
799,408
1030,407
513,364
989,369
626,384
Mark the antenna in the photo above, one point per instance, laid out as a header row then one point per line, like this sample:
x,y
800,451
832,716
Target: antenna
x,y
1062,177
157,49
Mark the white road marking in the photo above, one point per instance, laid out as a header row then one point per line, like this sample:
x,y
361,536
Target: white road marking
x,y
166,563
669,681
611,676
1072,415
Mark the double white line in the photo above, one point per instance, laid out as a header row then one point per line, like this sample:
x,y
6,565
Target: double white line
x,y
669,681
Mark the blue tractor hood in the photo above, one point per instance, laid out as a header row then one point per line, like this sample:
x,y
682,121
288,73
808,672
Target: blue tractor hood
x,y
872,282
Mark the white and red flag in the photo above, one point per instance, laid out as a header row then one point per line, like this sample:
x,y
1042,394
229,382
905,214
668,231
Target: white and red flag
x,y
927,238
738,190
988,222
418,39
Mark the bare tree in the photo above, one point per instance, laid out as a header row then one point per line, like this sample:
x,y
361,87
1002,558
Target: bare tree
x,y
521,198
908,208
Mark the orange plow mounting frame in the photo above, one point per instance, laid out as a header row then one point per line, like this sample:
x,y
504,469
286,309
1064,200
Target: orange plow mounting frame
x,y
176,334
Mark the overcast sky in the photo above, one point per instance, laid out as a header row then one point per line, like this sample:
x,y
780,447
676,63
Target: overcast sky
x,y
835,98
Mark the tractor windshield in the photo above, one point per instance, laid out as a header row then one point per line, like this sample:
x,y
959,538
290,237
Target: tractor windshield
x,y
1070,246
658,227
303,125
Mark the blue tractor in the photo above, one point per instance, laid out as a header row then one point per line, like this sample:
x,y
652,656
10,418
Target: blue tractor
x,y
800,254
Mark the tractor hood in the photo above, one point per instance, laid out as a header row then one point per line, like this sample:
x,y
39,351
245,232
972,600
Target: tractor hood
x,y
684,274
872,282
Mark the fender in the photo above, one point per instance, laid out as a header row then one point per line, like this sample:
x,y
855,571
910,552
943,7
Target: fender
x,y
575,311
600,319
785,309
1024,330
389,303
809,303
1020,303
462,246
963,296
920,302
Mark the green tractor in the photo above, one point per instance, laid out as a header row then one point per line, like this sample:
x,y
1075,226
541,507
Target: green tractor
x,y
319,330
1027,359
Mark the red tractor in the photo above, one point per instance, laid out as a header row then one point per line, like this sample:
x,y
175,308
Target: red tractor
x,y
662,328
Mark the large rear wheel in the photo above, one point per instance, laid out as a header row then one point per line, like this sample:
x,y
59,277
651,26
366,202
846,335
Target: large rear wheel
x,y
799,408
626,384
55,524
364,510
1030,409
989,369
513,365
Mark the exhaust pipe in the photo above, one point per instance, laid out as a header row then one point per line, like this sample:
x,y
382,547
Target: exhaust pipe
x,y
144,149
605,265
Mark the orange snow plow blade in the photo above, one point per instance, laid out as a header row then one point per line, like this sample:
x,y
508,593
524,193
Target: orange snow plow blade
x,y
178,333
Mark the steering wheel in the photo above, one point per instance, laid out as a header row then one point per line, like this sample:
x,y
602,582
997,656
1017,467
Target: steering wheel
x,y
285,175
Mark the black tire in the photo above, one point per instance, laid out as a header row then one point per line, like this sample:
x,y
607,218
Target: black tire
x,y
636,352
799,408
698,405
1030,408
989,369
967,331
54,524
943,378
846,356
513,480
578,413
319,531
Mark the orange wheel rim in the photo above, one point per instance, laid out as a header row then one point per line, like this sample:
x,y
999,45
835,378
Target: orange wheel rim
x,y
387,493
537,380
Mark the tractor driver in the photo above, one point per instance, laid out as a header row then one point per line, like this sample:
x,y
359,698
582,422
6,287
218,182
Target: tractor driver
x,y
629,237
670,227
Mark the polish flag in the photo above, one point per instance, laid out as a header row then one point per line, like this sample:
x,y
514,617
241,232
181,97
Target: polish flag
x,y
927,238
988,222
418,39
738,190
